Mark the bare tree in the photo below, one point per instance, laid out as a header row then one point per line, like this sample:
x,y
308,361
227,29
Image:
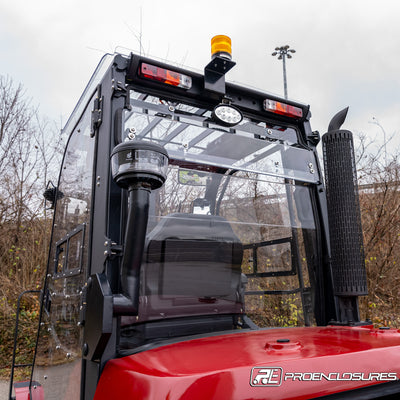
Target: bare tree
x,y
29,146
29,151
379,189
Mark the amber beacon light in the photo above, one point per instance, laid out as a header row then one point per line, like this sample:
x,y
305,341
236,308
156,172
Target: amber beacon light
x,y
221,45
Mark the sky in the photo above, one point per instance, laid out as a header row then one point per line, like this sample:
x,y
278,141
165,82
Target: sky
x,y
347,51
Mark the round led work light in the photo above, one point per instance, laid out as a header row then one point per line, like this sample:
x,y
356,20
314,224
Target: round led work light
x,y
227,115
139,163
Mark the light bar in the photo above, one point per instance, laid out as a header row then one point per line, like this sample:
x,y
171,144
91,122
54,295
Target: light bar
x,y
165,76
282,108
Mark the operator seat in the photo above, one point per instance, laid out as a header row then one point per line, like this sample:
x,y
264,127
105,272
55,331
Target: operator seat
x,y
191,266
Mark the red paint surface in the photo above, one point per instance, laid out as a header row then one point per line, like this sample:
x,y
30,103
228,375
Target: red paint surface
x,y
22,391
219,367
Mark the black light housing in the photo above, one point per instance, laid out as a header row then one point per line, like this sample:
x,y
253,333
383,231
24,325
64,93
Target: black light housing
x,y
139,162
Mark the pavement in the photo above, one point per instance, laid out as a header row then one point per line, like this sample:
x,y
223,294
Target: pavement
x,y
63,380
4,388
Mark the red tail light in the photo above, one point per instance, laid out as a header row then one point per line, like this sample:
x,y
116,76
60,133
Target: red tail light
x,y
165,76
282,108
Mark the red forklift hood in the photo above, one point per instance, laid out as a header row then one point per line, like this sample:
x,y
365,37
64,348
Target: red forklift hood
x,y
285,363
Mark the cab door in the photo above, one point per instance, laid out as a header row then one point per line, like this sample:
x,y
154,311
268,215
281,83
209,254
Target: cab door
x,y
58,363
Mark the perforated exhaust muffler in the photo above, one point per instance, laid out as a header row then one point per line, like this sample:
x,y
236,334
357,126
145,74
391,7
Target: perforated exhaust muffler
x,y
344,216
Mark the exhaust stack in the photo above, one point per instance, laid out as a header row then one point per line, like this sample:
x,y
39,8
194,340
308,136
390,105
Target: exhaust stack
x,y
345,230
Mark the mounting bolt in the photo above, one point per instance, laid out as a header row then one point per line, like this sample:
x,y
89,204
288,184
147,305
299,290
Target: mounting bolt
x,y
85,349
132,133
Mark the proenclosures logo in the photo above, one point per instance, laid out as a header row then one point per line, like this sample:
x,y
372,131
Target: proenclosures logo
x,y
274,376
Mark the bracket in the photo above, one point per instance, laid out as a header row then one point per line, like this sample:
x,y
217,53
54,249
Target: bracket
x,y
214,74
314,138
112,250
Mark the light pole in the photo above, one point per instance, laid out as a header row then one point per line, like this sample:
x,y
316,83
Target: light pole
x,y
283,52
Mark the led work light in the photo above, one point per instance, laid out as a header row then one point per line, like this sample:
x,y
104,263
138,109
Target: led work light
x,y
227,115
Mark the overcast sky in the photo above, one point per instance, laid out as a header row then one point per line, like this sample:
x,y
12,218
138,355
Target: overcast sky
x,y
347,51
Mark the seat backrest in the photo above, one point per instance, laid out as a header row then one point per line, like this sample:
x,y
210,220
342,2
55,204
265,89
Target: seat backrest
x,y
192,264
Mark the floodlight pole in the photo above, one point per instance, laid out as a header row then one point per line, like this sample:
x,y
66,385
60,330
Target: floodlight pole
x,y
283,52
284,76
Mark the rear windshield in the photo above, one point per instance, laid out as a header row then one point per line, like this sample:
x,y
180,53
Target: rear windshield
x,y
232,230
189,134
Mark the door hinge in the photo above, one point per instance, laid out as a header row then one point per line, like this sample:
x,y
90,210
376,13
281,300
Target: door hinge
x,y
97,112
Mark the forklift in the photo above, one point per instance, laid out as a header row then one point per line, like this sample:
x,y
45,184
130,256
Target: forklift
x,y
197,251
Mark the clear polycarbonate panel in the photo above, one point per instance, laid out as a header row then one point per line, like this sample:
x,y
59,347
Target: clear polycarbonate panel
x,y
58,361
189,134
105,63
225,243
